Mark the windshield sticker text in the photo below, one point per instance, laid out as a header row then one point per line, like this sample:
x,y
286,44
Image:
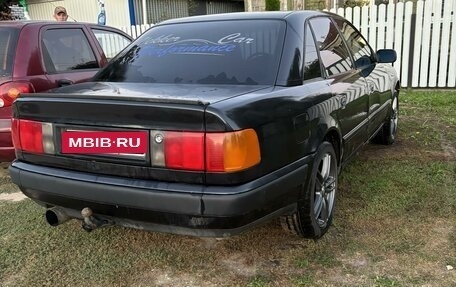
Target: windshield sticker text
x,y
170,44
159,51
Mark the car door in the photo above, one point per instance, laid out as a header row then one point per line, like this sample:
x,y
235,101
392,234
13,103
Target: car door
x,y
68,56
347,84
376,78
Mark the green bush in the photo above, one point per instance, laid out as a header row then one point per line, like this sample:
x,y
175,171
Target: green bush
x,y
5,11
354,3
272,5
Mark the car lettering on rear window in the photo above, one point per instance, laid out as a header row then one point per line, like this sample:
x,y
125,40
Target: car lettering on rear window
x,y
169,44
197,48
235,38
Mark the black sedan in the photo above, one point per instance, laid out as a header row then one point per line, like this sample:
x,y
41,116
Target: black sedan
x,y
210,125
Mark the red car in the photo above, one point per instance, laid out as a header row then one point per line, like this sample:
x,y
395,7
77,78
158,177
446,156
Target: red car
x,y
38,56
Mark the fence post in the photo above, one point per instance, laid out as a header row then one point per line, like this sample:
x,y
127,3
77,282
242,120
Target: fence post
x,y
411,48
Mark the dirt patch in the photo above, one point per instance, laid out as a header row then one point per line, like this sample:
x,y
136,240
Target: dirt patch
x,y
393,270
357,261
440,236
402,150
17,196
238,264
167,278
11,280
211,243
4,165
449,149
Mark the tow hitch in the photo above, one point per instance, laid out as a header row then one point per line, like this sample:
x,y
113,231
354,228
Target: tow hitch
x,y
91,222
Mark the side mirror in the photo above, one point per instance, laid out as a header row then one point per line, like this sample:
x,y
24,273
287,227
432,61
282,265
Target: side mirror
x,y
386,56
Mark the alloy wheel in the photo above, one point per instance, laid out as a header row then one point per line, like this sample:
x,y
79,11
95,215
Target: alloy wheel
x,y
325,189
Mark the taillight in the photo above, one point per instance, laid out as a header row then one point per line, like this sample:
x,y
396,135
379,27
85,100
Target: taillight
x,y
211,152
11,90
233,151
32,136
194,151
15,134
184,150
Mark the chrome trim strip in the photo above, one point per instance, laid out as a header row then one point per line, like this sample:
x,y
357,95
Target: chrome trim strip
x,y
379,109
365,121
141,156
353,131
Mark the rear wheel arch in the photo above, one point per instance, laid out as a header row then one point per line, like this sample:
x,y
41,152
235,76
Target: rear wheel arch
x,y
387,133
397,87
333,136
315,204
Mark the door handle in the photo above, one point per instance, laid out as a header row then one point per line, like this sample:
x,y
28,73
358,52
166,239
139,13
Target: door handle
x,y
371,88
64,82
343,100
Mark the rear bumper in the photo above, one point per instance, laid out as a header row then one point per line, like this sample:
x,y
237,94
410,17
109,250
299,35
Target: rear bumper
x,y
166,207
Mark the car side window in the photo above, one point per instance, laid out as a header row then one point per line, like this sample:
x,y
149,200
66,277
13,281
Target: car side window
x,y
361,51
9,37
312,66
333,53
66,50
111,42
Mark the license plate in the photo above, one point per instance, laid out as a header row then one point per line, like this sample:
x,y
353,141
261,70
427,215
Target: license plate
x,y
100,142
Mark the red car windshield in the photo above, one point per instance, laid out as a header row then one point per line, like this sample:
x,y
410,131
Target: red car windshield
x,y
8,41
220,52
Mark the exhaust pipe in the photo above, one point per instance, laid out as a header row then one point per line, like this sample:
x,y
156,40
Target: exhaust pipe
x,y
56,216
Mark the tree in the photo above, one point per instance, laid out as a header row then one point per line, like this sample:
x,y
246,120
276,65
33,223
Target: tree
x,y
354,3
272,5
5,11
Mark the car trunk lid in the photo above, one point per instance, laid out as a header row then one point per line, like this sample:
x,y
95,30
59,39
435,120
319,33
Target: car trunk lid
x,y
108,107
147,92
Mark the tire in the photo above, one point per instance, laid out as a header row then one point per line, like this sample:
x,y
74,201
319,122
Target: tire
x,y
387,134
316,203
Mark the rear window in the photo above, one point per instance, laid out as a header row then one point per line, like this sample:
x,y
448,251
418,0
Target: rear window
x,y
8,41
219,52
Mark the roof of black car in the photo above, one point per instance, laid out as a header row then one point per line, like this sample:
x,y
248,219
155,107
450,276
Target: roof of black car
x,y
244,16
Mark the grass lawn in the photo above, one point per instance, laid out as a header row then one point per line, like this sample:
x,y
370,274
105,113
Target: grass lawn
x,y
395,225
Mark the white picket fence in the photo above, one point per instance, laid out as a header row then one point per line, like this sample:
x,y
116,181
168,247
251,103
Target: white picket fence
x,y
425,41
136,31
423,36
